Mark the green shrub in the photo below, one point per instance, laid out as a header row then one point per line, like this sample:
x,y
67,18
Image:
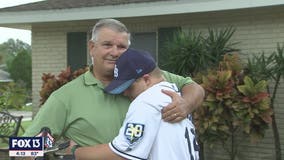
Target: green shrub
x,y
12,96
234,105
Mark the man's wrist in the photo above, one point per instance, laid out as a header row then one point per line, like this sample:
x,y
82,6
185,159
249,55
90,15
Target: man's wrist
x,y
74,148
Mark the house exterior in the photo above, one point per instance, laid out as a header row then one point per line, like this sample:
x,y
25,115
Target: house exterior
x,y
60,30
4,77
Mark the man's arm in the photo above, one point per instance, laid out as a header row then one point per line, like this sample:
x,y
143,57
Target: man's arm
x,y
192,97
52,108
134,139
97,152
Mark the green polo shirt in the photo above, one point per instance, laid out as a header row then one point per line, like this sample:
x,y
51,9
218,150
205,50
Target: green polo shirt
x,y
83,112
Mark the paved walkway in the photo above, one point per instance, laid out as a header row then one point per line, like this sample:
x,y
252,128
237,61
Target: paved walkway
x,y
27,114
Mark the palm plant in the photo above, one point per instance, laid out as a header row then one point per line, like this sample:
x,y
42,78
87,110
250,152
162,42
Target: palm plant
x,y
191,52
270,68
218,43
185,53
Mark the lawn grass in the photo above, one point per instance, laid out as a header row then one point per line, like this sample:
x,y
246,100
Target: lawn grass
x,y
24,126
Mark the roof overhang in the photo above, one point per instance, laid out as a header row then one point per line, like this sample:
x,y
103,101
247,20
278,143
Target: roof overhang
x,y
26,18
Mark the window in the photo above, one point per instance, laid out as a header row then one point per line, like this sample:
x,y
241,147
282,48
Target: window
x,y
145,41
76,50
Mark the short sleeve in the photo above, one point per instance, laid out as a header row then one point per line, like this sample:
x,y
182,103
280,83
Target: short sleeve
x,y
180,81
137,135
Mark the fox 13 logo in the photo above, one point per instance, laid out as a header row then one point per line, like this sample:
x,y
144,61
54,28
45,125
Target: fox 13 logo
x,y
26,147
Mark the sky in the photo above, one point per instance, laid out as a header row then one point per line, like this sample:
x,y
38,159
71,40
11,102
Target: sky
x,y
6,33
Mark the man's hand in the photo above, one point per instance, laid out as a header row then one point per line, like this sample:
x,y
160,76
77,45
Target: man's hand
x,y
175,111
192,97
68,150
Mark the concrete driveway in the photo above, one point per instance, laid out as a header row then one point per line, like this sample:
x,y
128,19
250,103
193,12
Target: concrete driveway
x,y
27,115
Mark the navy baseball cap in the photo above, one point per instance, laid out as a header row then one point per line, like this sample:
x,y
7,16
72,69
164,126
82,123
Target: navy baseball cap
x,y
131,65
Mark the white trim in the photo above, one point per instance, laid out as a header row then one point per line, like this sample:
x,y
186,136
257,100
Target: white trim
x,y
131,10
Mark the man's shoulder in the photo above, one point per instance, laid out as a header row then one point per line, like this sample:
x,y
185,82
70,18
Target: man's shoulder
x,y
164,85
154,97
75,84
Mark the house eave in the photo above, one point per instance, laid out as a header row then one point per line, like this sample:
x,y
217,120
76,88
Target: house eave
x,y
129,10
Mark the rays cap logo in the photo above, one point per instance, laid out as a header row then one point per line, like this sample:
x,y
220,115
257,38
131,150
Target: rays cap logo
x,y
131,65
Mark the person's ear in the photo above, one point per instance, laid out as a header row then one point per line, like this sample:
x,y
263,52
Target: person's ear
x,y
91,44
147,79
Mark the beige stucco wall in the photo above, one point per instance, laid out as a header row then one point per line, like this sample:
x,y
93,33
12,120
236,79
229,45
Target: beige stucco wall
x,y
257,29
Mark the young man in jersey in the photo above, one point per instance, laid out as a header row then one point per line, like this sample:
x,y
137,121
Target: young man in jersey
x,y
144,135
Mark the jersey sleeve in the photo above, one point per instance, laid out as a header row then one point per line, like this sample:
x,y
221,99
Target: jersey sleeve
x,y
137,135
180,81
52,108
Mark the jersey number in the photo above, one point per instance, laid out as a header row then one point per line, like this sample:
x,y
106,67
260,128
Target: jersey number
x,y
189,143
134,131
